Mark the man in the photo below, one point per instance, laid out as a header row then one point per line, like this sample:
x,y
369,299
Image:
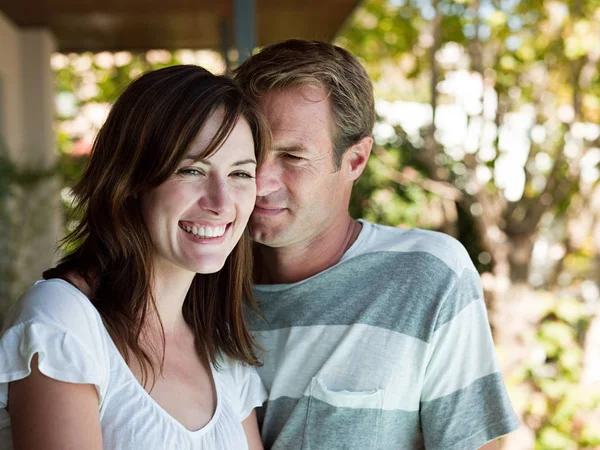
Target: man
x,y
375,337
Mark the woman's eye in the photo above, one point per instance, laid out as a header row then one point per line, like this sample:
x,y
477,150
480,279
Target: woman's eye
x,y
242,174
189,171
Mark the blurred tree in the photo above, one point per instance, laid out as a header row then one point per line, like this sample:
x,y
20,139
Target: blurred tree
x,y
525,75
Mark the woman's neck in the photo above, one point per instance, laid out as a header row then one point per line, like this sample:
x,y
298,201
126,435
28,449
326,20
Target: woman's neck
x,y
170,287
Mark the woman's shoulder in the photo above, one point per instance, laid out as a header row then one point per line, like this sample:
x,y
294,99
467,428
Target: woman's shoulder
x,y
56,301
235,373
243,386
57,322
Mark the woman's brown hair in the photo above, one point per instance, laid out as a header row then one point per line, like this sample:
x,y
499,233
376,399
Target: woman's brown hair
x,y
147,134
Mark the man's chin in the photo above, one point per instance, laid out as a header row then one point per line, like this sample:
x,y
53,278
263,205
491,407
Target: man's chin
x,y
261,239
269,238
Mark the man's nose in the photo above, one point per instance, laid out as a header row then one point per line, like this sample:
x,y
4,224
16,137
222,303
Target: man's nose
x,y
268,177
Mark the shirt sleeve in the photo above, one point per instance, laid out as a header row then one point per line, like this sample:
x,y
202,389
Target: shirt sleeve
x,y
464,403
59,324
251,390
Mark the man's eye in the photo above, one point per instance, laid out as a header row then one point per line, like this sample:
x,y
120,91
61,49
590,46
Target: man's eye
x,y
292,157
242,174
189,171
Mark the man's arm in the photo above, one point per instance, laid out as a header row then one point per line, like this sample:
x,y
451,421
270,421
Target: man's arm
x,y
464,399
492,445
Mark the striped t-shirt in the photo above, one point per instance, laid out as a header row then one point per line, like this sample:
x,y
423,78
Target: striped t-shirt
x,y
388,349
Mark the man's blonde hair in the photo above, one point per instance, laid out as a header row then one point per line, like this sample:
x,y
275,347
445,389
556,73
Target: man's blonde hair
x,y
295,63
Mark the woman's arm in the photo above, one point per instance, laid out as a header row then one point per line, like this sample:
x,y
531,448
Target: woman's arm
x,y
250,425
53,415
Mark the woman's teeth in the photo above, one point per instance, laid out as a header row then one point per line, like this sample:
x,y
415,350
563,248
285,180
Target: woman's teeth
x,y
205,231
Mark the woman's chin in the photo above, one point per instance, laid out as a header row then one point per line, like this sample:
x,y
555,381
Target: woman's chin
x,y
206,267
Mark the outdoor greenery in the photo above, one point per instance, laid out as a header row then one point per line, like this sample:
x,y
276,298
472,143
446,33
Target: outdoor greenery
x,y
20,202
488,131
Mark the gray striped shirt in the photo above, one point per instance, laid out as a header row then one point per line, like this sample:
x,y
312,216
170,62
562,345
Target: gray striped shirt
x,y
388,349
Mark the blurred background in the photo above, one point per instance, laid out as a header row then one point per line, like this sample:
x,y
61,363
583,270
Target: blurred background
x,y
488,130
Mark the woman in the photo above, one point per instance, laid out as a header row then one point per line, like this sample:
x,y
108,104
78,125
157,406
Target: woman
x,y
136,339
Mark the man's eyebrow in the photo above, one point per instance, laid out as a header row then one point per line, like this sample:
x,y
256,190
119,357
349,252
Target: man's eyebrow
x,y
291,148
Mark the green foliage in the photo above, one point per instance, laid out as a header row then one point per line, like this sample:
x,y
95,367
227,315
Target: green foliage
x,y
381,30
11,175
561,409
526,50
378,198
6,175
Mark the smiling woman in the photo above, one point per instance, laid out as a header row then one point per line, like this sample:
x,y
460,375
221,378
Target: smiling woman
x,y
136,340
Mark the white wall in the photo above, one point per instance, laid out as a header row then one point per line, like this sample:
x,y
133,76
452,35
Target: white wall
x,y
11,105
37,83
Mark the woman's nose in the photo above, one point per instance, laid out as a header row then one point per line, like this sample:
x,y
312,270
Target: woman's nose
x,y
217,197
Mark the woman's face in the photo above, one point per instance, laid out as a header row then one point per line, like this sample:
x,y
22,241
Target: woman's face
x,y
198,215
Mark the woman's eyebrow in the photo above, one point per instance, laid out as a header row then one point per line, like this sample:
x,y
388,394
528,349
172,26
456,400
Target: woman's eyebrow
x,y
244,161
207,163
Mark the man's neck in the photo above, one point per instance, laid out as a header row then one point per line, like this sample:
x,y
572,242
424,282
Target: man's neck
x,y
299,262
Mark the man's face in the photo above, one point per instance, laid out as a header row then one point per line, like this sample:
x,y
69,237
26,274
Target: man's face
x,y
300,193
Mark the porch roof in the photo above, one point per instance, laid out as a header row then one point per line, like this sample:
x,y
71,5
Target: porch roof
x,y
137,25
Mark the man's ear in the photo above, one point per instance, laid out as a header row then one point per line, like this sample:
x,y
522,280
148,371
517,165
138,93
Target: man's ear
x,y
355,159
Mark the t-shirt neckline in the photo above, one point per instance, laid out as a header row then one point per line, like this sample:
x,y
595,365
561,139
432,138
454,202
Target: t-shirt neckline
x,y
352,251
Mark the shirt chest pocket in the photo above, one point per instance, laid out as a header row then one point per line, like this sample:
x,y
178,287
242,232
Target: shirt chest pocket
x,y
342,419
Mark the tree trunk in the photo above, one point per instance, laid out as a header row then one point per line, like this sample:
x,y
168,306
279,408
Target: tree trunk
x,y
521,249
431,144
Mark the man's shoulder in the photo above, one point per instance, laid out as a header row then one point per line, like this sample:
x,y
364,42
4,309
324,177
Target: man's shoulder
x,y
413,242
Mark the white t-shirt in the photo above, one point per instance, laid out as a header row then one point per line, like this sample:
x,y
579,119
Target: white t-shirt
x,y
58,322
